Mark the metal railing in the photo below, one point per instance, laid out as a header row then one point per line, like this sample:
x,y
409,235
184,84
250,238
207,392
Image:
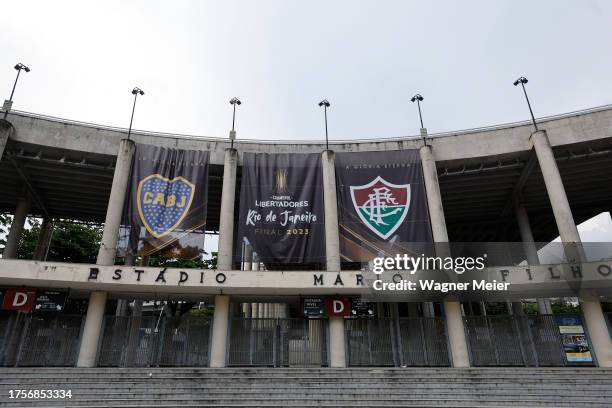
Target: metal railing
x,y
396,342
282,342
514,341
39,340
155,341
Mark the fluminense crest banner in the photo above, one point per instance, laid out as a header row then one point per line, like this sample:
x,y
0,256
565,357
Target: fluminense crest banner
x,y
165,207
281,209
382,206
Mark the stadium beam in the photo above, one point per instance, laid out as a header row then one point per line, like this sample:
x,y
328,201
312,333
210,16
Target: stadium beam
x,y
591,307
106,254
452,308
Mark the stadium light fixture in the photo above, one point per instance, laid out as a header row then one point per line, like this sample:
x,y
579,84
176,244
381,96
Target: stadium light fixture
x,y
418,99
136,91
522,80
325,103
234,101
9,103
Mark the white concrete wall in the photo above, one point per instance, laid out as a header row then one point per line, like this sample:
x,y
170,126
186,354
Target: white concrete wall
x,y
579,127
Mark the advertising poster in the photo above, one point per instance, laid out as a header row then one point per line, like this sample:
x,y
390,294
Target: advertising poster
x,y
382,206
281,208
575,343
165,207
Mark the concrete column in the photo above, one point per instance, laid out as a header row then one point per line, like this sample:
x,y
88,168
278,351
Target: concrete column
x,y
544,306
91,330
246,310
6,131
517,308
337,335
44,240
228,200
332,235
337,344
218,347
434,197
255,264
14,235
591,308
428,309
598,331
556,192
106,254
456,334
529,246
530,249
247,261
452,308
267,311
137,308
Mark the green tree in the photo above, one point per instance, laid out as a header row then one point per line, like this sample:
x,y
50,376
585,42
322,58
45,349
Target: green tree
x,y
70,241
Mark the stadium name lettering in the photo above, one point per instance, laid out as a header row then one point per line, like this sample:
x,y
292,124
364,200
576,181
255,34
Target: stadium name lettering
x,y
160,276
164,276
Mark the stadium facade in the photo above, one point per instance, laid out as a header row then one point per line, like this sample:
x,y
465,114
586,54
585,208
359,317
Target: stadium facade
x,y
299,302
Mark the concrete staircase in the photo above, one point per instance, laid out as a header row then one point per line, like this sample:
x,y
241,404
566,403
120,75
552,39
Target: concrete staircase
x,y
307,387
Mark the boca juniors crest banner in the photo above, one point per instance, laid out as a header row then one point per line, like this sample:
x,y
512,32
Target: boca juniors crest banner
x,y
166,202
382,206
281,209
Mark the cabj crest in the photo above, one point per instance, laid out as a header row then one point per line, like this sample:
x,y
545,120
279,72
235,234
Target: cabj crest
x,y
163,203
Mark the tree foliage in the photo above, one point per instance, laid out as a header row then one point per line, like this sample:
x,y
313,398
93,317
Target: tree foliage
x,y
70,241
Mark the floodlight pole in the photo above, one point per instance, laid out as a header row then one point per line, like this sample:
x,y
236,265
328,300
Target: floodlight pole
x,y
523,81
420,115
234,101
325,104
136,91
418,98
326,134
18,67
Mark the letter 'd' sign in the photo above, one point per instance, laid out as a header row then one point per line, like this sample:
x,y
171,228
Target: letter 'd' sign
x,y
19,299
338,306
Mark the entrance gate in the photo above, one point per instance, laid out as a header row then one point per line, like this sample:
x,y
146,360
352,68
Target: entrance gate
x,y
514,341
155,341
39,340
396,342
275,342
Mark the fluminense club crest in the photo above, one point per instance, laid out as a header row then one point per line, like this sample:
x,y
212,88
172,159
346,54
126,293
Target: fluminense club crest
x,y
163,203
381,205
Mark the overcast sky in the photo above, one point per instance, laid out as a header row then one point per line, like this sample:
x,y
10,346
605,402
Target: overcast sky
x,y
282,57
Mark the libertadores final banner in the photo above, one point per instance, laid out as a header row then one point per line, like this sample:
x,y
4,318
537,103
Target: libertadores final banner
x,y
165,207
382,205
281,208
